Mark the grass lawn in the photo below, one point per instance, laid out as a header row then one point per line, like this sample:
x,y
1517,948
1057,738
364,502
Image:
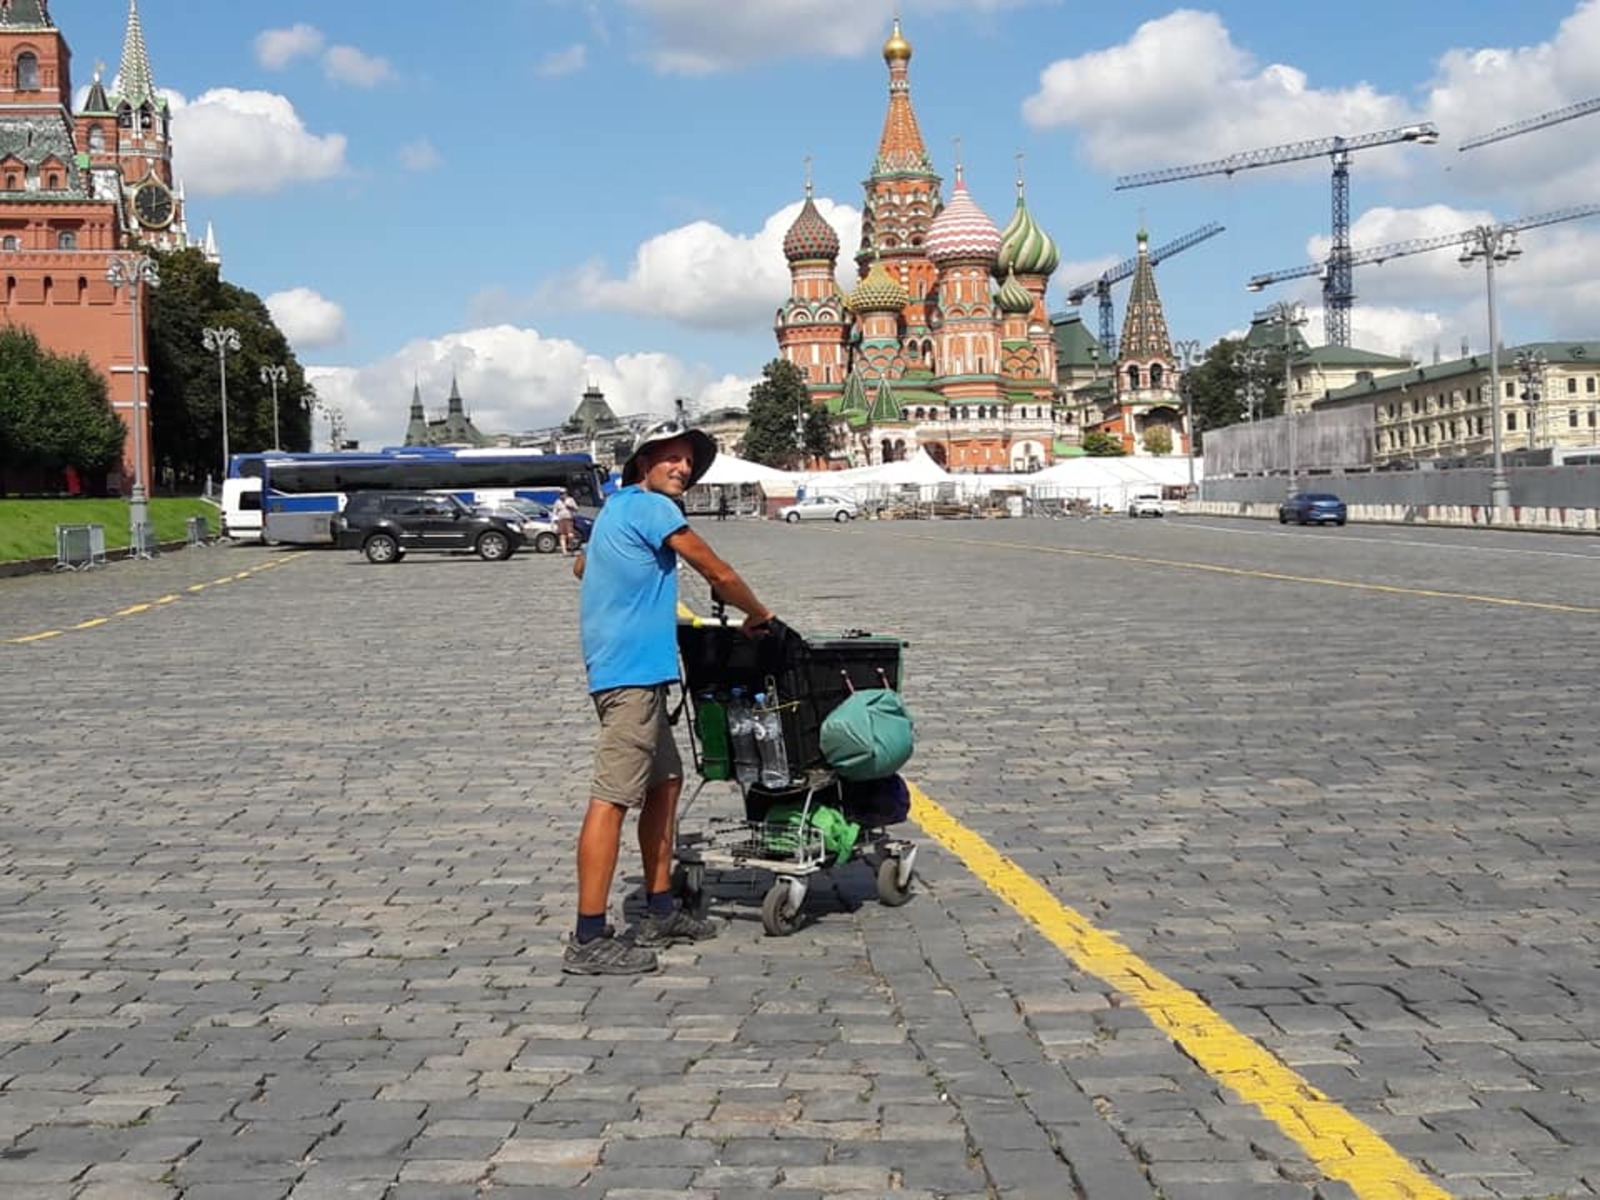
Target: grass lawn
x,y
28,527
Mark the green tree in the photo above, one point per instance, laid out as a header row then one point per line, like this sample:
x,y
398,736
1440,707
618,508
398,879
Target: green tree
x,y
1158,439
771,438
1099,444
820,440
1219,385
55,411
185,406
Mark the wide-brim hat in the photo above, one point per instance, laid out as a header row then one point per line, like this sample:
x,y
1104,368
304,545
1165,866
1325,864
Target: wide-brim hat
x,y
705,449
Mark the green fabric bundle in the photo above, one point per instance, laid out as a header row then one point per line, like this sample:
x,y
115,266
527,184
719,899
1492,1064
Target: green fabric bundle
x,y
869,736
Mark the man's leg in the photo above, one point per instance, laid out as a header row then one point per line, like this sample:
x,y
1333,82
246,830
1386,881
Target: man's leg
x,y
657,823
598,843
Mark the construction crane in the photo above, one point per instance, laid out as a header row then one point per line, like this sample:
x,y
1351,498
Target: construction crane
x,y
1101,287
1517,128
1378,254
1338,290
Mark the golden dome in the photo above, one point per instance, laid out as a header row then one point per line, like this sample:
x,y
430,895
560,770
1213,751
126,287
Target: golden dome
x,y
897,48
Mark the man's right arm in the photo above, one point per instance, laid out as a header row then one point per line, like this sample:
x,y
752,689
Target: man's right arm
x,y
724,580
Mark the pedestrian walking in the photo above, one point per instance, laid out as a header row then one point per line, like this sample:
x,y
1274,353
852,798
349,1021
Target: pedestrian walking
x,y
722,504
628,623
565,510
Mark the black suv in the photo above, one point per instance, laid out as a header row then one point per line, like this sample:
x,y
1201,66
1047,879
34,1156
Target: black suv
x,y
385,525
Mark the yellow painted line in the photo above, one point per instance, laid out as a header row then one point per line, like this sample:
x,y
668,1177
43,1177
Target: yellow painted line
x,y
90,624
131,610
1341,1145
1275,576
223,580
39,637
198,587
166,599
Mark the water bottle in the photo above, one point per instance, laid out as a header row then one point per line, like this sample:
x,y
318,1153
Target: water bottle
x,y
769,743
711,720
742,733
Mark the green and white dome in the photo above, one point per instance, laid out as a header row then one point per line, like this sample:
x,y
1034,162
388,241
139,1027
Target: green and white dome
x,y
1024,247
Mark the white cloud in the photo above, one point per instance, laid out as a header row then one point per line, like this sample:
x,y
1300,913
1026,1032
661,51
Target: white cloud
x,y
512,379
307,319
347,64
420,155
563,62
701,275
228,141
277,48
1180,91
697,37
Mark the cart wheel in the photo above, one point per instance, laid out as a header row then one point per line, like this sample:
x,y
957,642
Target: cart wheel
x,y
780,915
688,885
890,891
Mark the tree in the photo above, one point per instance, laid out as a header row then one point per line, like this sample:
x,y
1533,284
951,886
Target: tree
x,y
1158,439
1219,386
820,440
771,438
1099,444
55,412
185,408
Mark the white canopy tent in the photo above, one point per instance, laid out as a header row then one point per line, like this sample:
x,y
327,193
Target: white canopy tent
x,y
730,469
919,469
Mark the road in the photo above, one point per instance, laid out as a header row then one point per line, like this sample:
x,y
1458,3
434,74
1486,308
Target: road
x,y
1256,863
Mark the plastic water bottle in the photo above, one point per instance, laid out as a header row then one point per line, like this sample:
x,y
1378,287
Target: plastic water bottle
x,y
742,733
711,719
769,744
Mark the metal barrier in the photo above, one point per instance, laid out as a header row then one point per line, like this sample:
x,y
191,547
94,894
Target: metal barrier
x,y
198,533
142,541
79,547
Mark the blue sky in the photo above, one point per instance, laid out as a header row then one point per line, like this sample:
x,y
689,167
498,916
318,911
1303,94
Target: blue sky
x,y
537,194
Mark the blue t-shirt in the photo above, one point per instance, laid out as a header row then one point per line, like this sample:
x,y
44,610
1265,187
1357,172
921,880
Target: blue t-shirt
x,y
628,605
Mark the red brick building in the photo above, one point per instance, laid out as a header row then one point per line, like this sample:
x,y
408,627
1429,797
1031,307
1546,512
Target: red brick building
x,y
75,188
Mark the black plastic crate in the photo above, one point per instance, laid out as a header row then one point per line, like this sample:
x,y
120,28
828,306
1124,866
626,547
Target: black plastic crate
x,y
811,676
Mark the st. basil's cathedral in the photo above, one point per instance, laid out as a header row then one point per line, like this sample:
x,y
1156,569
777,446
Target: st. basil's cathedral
x,y
945,342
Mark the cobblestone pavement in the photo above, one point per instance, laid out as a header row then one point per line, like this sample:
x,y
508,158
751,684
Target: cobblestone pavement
x,y
287,868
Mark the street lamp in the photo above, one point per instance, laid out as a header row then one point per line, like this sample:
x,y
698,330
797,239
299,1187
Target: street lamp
x,y
131,271
275,374
1495,245
1530,364
1188,353
1288,314
219,339
1250,363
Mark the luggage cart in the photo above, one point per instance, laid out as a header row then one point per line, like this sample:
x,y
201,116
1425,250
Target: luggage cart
x,y
809,678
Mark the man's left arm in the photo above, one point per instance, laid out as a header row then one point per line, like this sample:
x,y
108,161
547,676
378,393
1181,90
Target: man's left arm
x,y
724,580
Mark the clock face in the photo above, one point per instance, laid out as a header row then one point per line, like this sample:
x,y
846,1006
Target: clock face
x,y
152,204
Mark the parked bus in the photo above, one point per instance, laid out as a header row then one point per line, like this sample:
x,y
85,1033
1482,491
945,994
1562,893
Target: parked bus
x,y
241,490
299,495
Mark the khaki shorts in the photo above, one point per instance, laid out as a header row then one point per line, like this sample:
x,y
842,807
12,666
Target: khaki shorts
x,y
636,750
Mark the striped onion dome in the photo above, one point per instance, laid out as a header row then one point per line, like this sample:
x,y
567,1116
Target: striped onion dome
x,y
878,292
1024,247
1012,296
810,238
961,231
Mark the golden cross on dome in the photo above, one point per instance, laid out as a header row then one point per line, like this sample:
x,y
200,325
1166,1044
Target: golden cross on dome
x,y
808,177
1019,157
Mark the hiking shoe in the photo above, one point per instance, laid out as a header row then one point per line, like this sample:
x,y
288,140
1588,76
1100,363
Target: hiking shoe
x,y
607,955
679,926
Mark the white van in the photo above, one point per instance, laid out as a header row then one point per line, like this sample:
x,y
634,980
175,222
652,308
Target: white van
x,y
1147,502
241,509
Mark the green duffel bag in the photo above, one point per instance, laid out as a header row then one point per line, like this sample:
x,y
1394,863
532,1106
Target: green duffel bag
x,y
869,736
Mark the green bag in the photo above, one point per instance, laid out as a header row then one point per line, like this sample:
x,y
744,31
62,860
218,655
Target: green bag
x,y
869,736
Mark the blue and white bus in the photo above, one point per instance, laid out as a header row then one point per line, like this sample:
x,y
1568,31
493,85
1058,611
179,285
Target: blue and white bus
x,y
299,493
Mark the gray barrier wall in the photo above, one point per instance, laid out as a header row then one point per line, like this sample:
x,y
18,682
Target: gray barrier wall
x,y
1340,438
1541,487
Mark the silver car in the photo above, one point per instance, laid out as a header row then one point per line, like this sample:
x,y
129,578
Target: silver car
x,y
820,508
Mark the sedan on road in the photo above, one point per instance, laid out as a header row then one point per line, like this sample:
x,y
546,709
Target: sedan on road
x,y
1312,508
820,508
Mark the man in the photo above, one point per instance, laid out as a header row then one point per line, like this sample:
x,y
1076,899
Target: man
x,y
628,618
564,510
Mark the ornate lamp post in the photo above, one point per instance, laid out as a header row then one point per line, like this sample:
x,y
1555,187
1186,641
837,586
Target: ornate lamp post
x,y
219,339
275,374
1289,315
1250,363
1188,353
1495,245
132,271
1530,364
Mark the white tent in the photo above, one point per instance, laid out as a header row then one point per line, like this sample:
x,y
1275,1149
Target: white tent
x,y
730,469
919,469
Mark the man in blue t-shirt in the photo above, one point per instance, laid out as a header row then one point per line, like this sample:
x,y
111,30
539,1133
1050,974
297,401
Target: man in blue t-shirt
x,y
628,616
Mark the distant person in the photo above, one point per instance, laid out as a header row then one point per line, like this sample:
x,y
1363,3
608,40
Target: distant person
x,y
565,511
628,617
722,504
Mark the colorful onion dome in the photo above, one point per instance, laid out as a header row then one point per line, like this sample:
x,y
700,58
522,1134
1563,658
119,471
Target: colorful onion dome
x,y
810,237
962,231
1012,296
1024,247
878,292
896,49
